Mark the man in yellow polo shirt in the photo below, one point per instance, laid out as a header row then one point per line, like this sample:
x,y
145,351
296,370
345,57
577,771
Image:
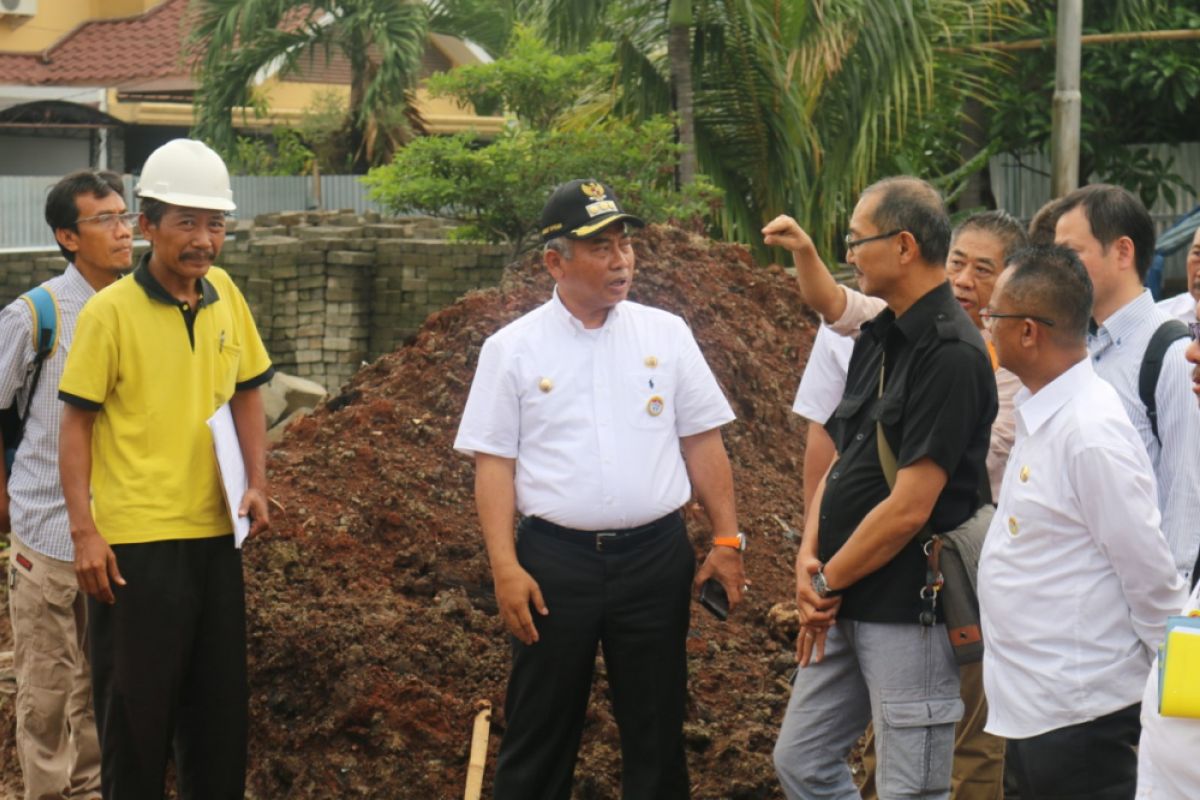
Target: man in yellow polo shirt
x,y
154,356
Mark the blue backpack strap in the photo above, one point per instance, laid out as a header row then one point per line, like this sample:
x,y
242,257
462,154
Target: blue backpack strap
x,y
44,307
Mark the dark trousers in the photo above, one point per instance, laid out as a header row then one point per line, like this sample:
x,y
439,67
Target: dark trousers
x,y
169,668
636,605
1093,760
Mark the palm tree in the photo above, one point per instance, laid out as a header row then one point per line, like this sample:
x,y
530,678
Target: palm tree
x,y
679,54
796,101
383,41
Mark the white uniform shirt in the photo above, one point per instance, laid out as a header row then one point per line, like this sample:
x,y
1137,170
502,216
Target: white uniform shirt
x,y
36,506
593,417
824,380
1181,306
1117,349
1075,579
1168,767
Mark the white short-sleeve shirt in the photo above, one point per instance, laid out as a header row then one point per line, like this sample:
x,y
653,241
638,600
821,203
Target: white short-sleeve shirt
x,y
824,380
593,417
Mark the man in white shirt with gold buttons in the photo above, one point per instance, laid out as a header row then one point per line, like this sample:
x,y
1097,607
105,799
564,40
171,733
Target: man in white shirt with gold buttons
x,y
1075,579
596,419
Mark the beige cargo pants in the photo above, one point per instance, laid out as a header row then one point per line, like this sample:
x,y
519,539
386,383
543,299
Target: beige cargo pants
x,y
56,728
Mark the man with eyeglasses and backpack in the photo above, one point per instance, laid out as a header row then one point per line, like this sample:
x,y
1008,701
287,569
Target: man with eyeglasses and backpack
x,y
56,729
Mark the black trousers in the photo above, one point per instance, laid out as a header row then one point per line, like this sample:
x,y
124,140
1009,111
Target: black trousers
x,y
1093,760
169,669
634,604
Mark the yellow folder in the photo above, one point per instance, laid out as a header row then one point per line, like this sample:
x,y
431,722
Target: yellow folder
x,y
1179,669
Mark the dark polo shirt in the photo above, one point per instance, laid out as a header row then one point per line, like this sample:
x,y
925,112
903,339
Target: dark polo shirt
x,y
938,402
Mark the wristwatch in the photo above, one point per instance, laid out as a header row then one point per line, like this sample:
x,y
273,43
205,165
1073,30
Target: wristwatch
x,y
821,586
737,542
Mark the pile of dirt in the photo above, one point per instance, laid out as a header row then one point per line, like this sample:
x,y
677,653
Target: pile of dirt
x,y
372,622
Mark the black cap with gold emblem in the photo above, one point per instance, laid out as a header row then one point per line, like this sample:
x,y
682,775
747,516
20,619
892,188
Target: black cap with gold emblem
x,y
581,208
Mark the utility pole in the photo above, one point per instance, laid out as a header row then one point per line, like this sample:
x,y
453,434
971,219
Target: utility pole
x,y
1064,136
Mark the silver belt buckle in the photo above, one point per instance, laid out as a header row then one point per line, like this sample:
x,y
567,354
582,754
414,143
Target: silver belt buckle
x,y
601,536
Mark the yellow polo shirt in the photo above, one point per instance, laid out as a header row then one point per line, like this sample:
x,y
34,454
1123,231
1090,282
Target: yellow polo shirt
x,y
155,371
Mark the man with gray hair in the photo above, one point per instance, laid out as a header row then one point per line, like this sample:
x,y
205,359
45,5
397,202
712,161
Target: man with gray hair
x,y
596,418
919,389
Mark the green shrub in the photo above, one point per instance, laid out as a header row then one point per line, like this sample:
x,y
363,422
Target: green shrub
x,y
497,191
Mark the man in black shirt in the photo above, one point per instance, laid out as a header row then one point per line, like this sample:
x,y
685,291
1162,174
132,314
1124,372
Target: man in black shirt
x,y
922,370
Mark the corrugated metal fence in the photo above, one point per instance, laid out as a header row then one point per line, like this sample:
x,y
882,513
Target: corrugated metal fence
x,y
23,199
1021,185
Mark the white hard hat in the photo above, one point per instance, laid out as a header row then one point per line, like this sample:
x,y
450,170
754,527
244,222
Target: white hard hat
x,y
188,173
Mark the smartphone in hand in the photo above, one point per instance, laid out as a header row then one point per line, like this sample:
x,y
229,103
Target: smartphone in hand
x,y
713,598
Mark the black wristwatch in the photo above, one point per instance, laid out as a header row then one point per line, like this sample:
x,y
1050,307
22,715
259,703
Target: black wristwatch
x,y
821,586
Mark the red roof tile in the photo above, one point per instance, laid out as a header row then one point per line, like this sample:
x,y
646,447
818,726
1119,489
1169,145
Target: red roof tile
x,y
104,52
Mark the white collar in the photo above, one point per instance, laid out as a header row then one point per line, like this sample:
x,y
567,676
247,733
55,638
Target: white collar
x,y
562,313
1034,409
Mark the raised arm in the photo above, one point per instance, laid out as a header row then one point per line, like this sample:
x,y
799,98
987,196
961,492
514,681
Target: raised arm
x,y
816,284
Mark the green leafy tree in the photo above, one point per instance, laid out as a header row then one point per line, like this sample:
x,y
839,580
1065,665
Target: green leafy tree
x,y
797,105
383,41
496,192
284,154
1134,93
488,23
323,127
530,80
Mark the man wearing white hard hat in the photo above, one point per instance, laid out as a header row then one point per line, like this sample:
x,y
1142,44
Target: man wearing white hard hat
x,y
154,357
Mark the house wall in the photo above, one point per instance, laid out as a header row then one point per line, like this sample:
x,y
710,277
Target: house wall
x,y
56,18
327,296
53,20
39,154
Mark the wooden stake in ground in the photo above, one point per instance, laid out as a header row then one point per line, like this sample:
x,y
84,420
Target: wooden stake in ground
x,y
479,747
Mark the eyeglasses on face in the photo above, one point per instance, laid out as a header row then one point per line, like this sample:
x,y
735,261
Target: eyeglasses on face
x,y
853,243
987,315
128,219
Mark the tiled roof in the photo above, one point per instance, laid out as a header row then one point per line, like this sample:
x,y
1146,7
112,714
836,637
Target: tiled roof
x,y
108,52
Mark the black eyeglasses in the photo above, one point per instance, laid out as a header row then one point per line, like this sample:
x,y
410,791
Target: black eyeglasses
x,y
1194,330
987,316
853,243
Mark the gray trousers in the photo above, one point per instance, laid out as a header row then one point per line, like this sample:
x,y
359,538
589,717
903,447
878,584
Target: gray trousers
x,y
904,677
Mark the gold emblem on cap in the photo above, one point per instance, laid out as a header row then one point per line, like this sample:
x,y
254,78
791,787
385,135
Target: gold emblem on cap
x,y
1024,474
655,406
651,361
1012,526
593,190
545,384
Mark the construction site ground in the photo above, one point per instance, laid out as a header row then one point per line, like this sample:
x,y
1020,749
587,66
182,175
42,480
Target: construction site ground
x,y
373,632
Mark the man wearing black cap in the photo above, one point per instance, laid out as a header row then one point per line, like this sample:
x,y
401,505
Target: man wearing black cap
x,y
580,417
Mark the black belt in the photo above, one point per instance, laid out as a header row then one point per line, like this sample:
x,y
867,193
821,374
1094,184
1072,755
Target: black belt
x,y
613,541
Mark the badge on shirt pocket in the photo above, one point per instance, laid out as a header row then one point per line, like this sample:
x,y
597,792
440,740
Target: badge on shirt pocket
x,y
650,398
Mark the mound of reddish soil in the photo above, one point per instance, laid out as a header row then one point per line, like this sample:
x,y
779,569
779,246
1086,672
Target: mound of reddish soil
x,y
373,626
373,623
